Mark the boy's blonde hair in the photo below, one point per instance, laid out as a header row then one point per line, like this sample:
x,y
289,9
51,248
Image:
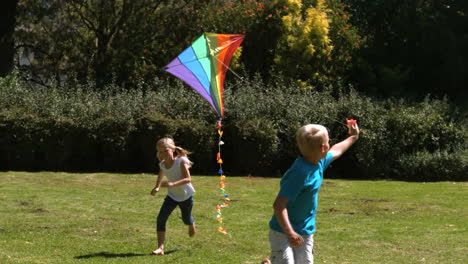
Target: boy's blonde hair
x,y
169,142
310,137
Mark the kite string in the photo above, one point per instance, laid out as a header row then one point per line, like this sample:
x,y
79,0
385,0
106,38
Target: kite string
x,y
334,120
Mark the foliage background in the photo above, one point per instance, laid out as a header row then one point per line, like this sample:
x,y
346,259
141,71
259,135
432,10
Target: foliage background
x,y
85,89
81,129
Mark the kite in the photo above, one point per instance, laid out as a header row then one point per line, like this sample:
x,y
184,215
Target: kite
x,y
349,123
204,64
203,67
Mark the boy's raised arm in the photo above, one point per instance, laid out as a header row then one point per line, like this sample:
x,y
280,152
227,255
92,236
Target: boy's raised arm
x,y
339,148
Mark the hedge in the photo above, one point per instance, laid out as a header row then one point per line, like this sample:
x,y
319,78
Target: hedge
x,y
79,129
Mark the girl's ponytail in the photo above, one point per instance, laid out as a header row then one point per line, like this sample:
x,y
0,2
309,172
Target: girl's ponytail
x,y
182,152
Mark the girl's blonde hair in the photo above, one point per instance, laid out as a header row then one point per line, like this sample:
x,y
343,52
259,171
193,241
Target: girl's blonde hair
x,y
310,137
169,142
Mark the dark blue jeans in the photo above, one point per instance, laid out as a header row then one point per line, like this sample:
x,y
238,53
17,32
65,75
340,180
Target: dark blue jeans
x,y
168,206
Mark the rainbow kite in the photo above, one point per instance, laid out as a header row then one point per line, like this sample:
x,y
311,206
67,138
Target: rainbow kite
x,y
203,66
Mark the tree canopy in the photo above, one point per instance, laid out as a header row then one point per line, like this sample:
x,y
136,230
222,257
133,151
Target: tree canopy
x,y
382,48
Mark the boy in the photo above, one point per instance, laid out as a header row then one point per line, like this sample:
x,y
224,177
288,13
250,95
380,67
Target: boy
x,y
293,223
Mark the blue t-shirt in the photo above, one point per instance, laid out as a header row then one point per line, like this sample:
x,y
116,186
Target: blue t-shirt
x,y
300,185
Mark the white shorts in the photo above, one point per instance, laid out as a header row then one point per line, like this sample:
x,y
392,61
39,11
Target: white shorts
x,y
283,253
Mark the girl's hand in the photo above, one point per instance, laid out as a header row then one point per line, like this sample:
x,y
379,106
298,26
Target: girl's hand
x,y
154,191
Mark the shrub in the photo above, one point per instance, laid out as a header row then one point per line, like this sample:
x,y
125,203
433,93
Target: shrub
x,y
424,126
116,130
192,134
437,166
251,146
368,158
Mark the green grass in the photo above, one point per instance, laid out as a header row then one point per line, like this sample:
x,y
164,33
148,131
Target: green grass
x,y
109,218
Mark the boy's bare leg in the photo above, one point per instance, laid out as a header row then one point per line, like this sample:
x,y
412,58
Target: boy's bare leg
x,y
192,230
161,239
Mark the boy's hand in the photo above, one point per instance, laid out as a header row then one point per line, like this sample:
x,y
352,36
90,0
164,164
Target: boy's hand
x,y
295,240
154,191
353,128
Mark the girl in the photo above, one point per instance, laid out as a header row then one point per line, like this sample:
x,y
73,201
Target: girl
x,y
180,190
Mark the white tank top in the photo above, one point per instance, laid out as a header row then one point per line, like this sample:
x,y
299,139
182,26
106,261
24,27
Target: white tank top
x,y
181,192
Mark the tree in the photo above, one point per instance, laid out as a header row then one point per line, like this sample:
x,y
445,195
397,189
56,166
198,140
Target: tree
x,y
103,40
48,43
7,26
415,47
104,19
128,42
310,42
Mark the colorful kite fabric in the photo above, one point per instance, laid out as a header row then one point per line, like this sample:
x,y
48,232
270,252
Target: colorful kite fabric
x,y
203,66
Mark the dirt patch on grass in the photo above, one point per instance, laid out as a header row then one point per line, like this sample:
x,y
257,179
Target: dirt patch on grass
x,y
337,211
394,247
39,211
368,200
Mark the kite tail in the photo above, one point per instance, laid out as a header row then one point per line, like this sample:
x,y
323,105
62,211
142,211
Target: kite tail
x,y
222,185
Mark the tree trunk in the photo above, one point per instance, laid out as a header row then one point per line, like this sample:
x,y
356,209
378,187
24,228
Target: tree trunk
x,y
7,27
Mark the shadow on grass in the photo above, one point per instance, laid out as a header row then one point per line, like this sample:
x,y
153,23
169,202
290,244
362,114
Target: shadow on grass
x,y
116,255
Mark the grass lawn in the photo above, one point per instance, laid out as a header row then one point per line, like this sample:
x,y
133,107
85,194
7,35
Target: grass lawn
x,y
109,218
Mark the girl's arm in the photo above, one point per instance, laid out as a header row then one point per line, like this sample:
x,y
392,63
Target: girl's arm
x,y
281,214
186,178
160,178
158,183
